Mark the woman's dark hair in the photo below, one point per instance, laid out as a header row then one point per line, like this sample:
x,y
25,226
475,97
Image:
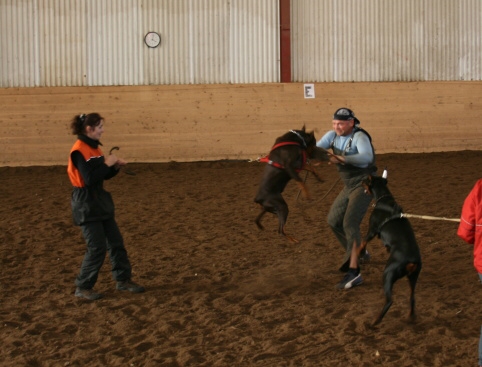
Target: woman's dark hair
x,y
80,122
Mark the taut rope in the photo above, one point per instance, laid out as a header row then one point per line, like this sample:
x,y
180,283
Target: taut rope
x,y
402,215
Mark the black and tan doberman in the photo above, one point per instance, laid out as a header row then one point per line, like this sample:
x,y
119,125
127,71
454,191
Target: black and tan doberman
x,y
396,233
289,155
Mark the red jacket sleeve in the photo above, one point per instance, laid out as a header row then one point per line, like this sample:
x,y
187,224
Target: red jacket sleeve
x,y
470,214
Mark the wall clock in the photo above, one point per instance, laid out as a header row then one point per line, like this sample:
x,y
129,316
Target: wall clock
x,y
152,39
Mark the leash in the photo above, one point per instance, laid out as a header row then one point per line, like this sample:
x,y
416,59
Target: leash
x,y
304,181
405,215
329,190
132,173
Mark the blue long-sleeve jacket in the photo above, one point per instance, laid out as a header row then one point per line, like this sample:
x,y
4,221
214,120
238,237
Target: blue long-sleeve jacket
x,y
357,150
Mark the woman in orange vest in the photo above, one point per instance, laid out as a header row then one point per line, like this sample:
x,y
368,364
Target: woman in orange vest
x,y
93,208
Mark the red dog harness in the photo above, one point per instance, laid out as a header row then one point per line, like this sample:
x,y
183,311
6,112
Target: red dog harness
x,y
279,165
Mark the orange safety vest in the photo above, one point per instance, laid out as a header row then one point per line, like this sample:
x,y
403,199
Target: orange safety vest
x,y
88,153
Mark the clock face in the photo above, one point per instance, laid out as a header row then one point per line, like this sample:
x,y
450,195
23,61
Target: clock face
x,y
152,39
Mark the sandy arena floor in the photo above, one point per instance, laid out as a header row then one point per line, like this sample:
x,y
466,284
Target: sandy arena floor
x,y
220,292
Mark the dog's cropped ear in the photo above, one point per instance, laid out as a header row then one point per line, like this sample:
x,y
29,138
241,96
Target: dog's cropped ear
x,y
310,139
303,128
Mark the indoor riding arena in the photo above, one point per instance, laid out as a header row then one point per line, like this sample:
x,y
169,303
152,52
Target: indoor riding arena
x,y
219,291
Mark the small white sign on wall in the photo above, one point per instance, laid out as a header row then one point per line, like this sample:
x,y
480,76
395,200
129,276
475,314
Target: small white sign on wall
x,y
309,90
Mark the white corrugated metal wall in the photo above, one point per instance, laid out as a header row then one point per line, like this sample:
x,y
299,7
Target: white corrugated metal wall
x,y
18,38
386,40
101,42
212,41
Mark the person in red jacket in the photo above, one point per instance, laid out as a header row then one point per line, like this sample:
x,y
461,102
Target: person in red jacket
x,y
93,208
470,230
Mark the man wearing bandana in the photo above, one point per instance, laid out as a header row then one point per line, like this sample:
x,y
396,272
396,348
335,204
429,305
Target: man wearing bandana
x,y
354,156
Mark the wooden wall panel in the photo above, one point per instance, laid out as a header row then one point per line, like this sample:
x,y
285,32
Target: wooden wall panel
x,y
213,122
